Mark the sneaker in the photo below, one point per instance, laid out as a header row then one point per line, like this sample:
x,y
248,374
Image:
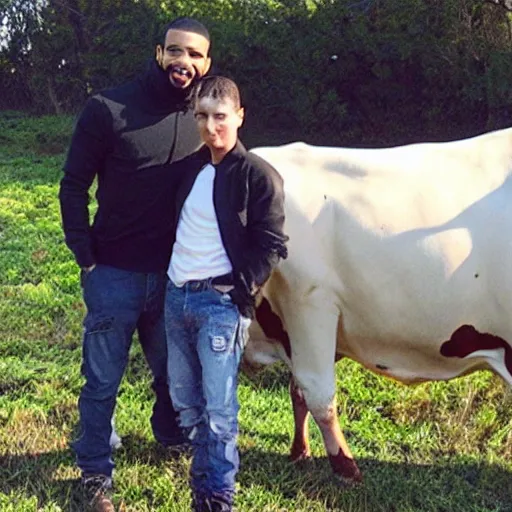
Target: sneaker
x,y
97,491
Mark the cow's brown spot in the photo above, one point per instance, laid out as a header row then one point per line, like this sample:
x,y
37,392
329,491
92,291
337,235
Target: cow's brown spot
x,y
272,326
466,340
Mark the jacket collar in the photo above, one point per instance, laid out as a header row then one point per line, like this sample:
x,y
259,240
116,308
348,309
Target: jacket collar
x,y
161,96
204,156
234,155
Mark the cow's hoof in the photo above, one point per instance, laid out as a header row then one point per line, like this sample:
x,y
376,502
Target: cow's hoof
x,y
345,469
299,456
300,451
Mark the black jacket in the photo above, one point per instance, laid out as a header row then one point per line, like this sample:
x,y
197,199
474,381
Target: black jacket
x,y
124,136
248,198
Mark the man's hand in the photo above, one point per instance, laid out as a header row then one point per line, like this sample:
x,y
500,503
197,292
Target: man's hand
x,y
243,301
89,269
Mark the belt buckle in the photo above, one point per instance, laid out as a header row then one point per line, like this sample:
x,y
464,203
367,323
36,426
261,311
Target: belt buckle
x,y
223,288
195,285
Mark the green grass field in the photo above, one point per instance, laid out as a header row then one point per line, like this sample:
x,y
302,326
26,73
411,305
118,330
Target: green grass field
x,y
443,447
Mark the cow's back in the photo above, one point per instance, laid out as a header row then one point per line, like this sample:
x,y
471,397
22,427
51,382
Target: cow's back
x,y
415,241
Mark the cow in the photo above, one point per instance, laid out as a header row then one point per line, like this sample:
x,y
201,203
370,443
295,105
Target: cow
x,y
399,258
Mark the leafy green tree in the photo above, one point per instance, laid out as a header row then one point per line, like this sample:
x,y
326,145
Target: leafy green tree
x,y
19,20
352,72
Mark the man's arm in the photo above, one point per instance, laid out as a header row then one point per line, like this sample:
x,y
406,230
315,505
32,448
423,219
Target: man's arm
x,y
85,159
265,222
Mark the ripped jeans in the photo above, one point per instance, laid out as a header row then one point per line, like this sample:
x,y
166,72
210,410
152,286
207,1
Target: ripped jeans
x,y
206,336
119,302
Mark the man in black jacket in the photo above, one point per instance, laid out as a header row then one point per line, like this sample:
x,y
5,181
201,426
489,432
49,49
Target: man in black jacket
x,y
124,136
229,237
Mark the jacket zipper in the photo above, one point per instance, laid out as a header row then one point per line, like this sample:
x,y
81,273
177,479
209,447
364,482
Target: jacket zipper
x,y
173,147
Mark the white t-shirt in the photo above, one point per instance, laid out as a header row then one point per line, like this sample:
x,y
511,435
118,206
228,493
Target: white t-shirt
x,y
198,252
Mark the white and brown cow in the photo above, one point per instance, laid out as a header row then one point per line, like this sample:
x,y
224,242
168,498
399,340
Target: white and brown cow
x,y
399,258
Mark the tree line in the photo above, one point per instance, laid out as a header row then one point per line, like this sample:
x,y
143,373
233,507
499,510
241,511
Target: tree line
x,y
336,72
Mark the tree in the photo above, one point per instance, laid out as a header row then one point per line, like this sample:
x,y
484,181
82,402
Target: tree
x,y
353,72
19,19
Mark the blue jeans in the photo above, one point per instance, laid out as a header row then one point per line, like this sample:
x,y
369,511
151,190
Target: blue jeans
x,y
118,303
205,336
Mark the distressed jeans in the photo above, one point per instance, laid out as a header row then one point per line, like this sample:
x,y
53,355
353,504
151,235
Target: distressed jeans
x,y
206,335
118,303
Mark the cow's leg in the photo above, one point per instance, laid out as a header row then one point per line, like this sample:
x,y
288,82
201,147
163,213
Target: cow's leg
x,y
300,446
340,456
312,328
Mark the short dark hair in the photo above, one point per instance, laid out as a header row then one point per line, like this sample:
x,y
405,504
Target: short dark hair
x,y
188,25
218,87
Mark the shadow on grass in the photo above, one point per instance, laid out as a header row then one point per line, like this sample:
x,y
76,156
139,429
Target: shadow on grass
x,y
53,477
392,487
388,486
35,475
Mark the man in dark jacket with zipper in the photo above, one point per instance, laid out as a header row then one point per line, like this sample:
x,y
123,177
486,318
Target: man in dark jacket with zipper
x,y
124,137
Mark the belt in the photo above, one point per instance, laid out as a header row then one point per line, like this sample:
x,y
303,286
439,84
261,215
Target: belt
x,y
199,285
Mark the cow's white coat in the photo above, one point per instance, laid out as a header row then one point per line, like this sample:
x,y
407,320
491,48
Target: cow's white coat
x,y
391,250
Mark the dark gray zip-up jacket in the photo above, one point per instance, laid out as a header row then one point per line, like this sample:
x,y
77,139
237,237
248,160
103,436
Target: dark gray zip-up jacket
x,y
248,198
125,136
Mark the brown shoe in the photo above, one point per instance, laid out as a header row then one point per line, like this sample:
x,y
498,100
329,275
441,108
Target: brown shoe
x,y
97,491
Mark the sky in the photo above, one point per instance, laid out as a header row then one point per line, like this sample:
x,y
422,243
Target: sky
x,y
13,10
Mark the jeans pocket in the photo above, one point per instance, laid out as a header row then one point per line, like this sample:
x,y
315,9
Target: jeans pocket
x,y
85,274
103,347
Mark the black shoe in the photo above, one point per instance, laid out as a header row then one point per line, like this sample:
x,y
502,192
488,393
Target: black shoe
x,y
97,491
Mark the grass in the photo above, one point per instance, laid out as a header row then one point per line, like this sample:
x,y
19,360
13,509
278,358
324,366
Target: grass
x,y
443,447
